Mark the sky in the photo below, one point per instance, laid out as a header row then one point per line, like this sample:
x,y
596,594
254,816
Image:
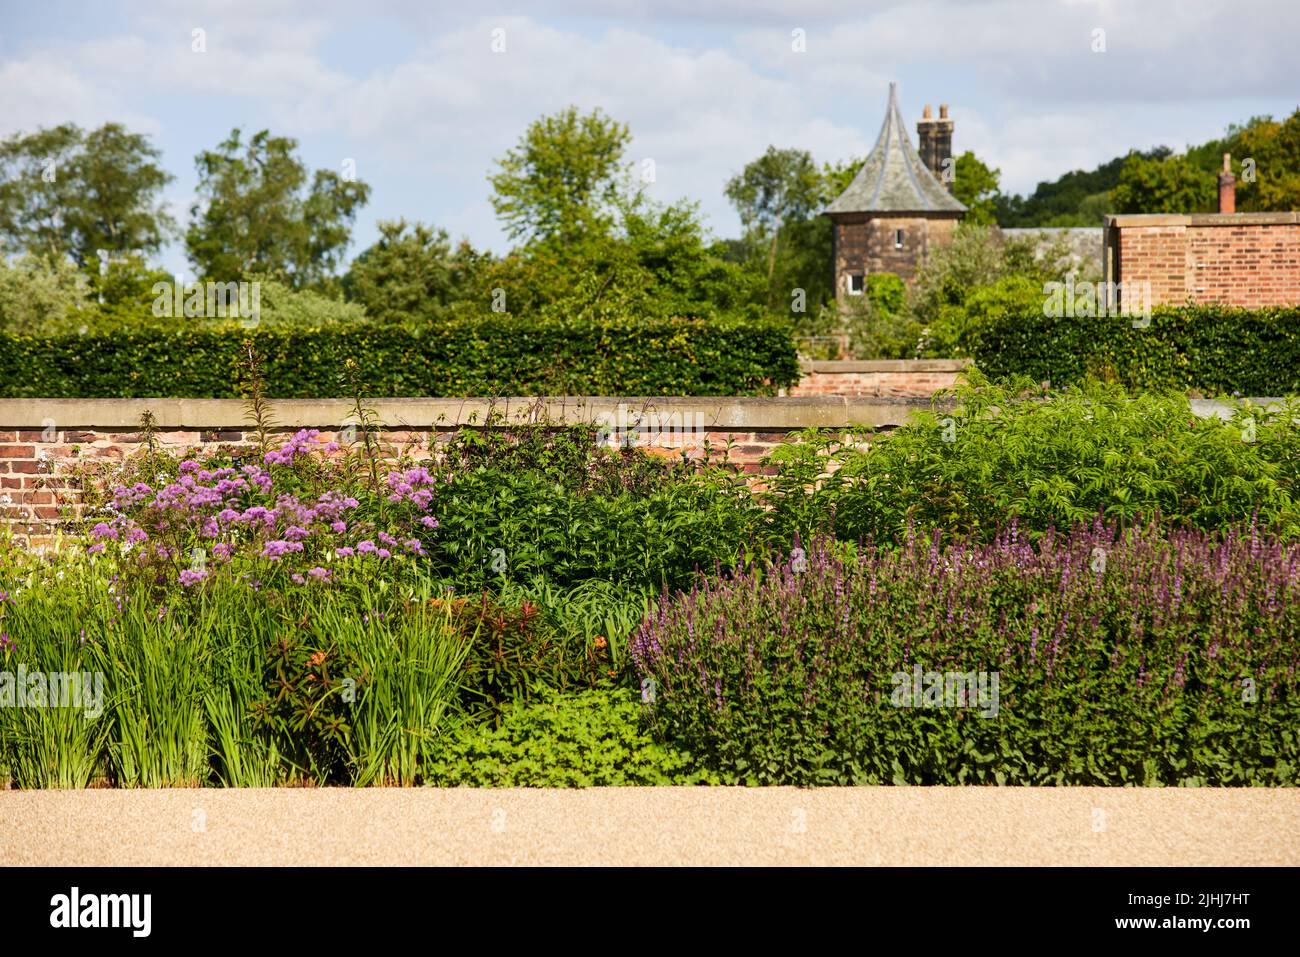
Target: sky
x,y
424,96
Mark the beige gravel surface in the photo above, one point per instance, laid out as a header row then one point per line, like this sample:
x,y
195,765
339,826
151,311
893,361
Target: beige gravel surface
x,y
652,826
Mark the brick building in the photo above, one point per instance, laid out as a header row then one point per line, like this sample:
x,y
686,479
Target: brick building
x,y
897,208
1224,258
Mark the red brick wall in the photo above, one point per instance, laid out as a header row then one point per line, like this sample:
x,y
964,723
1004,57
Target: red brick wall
x,y
41,474
1245,259
918,379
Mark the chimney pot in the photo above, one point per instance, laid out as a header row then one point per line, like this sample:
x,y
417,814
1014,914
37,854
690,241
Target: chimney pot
x,y
943,111
925,113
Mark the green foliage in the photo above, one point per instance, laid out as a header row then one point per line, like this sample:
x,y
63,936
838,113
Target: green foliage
x,y
65,191
1045,460
777,192
557,183
38,294
413,272
489,355
1157,180
886,292
499,526
1168,185
1207,349
590,739
976,186
956,329
256,213
1273,149
1077,198
1096,658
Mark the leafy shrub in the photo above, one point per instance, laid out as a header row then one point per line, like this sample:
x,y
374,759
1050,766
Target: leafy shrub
x,y
956,329
498,526
517,654
1207,349
1046,459
474,356
886,292
590,739
1119,658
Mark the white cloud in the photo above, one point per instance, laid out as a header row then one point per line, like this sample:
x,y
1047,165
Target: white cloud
x,y
704,87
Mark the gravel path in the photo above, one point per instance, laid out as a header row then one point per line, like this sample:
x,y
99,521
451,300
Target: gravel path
x,y
650,826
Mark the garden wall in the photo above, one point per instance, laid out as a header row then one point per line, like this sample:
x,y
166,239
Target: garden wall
x,y
899,378
44,443
1232,259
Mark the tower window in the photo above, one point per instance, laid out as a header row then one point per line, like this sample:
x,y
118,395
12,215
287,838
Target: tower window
x,y
856,284
898,239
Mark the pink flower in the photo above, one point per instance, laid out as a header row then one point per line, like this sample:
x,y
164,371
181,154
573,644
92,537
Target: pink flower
x,y
193,576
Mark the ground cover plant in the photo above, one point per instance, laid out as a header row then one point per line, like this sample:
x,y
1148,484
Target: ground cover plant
x,y
590,739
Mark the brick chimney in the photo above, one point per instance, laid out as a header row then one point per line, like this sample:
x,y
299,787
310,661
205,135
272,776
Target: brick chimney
x,y
934,138
1227,187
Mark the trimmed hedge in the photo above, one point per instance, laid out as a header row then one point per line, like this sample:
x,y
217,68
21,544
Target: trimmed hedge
x,y
1213,350
496,355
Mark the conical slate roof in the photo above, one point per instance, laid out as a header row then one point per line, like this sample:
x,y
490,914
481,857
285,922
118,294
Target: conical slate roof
x,y
894,179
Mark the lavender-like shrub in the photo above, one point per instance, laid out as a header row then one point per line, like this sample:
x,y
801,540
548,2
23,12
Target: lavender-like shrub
x,y
1097,657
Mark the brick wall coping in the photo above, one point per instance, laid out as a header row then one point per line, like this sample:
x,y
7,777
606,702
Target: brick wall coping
x,y
721,414
727,413
1203,219
884,365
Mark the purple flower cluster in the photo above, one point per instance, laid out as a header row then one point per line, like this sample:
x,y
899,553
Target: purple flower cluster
x,y
1140,609
255,513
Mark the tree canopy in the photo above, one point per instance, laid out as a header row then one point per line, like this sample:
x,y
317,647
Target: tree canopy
x,y
65,191
256,212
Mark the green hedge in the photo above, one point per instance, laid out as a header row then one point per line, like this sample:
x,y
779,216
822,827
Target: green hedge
x,y
1213,350
497,355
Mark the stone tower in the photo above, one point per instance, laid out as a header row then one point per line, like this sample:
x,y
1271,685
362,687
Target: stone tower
x,y
896,209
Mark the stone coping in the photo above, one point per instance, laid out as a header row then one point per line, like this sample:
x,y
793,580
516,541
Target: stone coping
x,y
1202,219
722,414
719,414
885,365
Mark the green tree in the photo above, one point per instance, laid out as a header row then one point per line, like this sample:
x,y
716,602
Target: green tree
x,y
257,214
64,191
976,186
411,270
656,260
780,187
1170,185
560,181
1271,183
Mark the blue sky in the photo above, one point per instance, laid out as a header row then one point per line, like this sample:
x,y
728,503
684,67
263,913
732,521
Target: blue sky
x,y
413,92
